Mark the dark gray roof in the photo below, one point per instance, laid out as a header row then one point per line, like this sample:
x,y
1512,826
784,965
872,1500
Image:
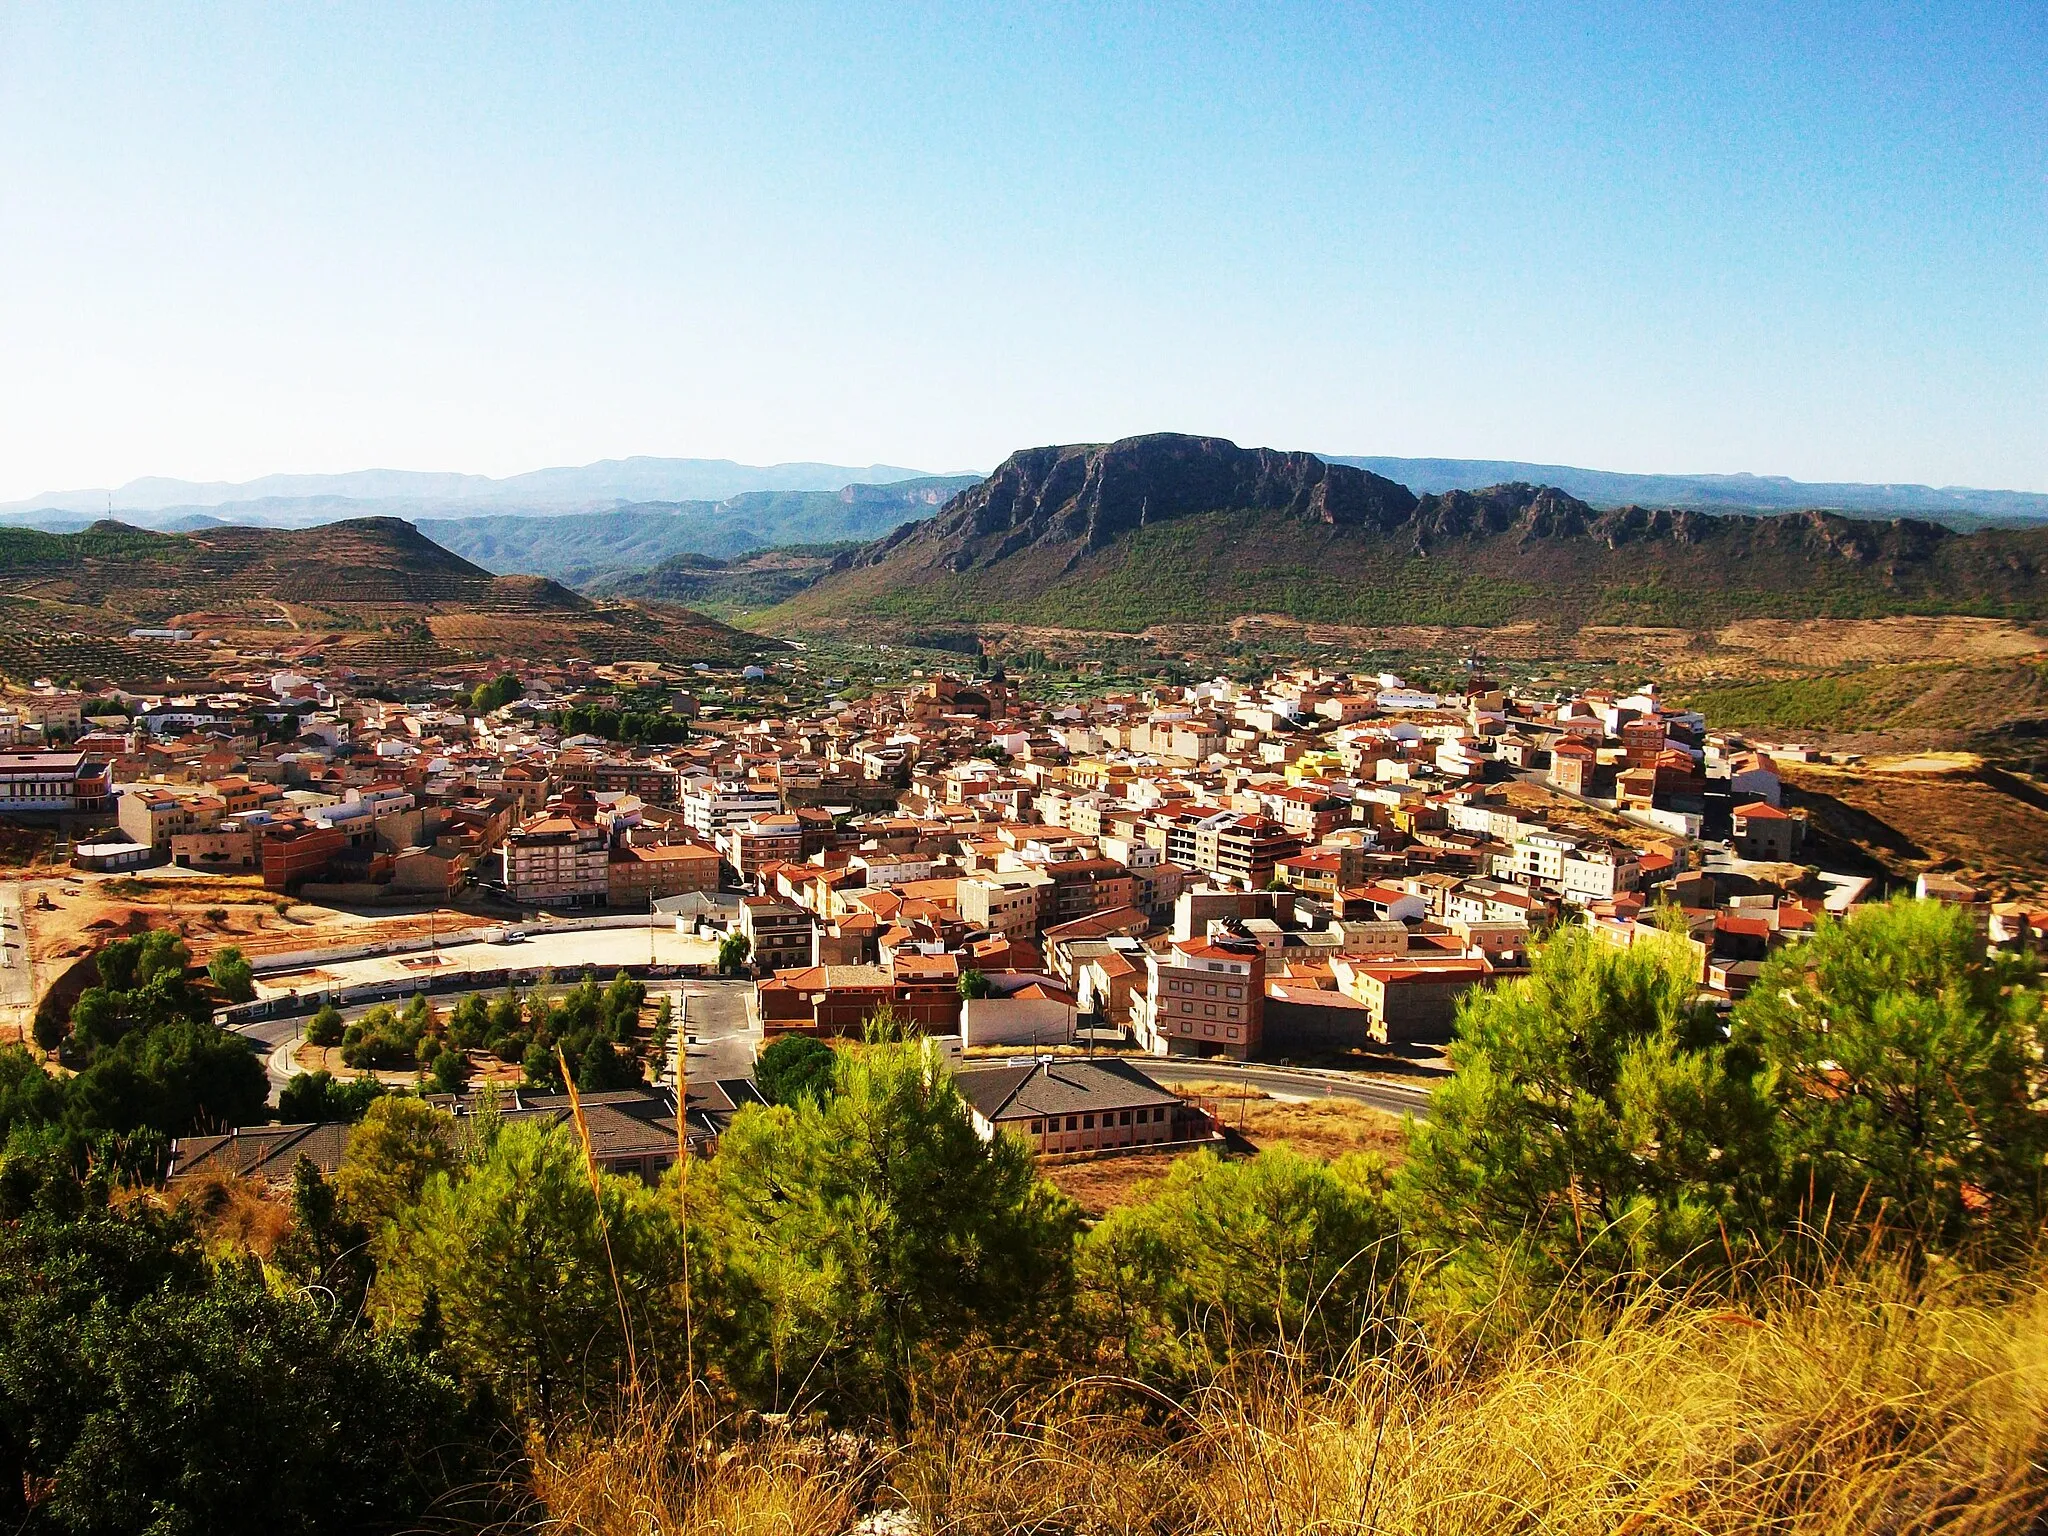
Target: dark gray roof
x,y
626,1125
267,1152
1059,1085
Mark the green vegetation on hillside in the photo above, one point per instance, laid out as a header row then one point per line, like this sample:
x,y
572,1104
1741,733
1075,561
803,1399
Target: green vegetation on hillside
x,y
1953,697
1828,702
1169,528
1220,566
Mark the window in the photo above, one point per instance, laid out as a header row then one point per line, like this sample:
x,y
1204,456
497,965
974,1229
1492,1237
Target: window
x,y
1209,1030
1209,1009
1212,989
1234,992
1072,1123
1123,1117
1233,1034
1038,1127
1230,1012
1087,1122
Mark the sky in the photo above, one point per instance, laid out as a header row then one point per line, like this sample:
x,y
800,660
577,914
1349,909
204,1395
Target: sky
x,y
1808,240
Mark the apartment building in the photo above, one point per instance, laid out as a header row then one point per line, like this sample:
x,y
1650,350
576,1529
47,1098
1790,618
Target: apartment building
x,y
759,841
653,782
1600,874
296,850
640,873
712,806
1205,997
1081,886
558,858
1244,849
153,815
781,933
1008,902
1412,1000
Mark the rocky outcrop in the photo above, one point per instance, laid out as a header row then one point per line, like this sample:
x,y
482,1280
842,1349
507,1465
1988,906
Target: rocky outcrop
x,y
1087,496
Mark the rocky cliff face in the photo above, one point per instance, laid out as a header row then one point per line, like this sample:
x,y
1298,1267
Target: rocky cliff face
x,y
1172,528
1089,495
1082,498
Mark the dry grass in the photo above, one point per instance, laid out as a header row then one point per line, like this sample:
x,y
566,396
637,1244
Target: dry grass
x,y
1867,1406
656,1478
1103,1184
1327,1128
1990,826
235,1215
1838,642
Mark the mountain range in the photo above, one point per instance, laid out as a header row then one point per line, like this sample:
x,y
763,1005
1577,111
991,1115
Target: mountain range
x,y
586,548
1711,493
1118,537
300,500
1169,528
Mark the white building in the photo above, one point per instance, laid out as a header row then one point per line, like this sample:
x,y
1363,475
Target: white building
x,y
711,807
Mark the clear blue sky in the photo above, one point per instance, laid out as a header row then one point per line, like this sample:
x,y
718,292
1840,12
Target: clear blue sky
x,y
1796,239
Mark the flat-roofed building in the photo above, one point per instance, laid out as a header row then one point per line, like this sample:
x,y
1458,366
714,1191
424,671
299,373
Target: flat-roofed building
x,y
54,781
638,873
1205,997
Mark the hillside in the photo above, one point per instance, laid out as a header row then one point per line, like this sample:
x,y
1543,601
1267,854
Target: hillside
x,y
372,561
750,582
375,591
1170,528
584,548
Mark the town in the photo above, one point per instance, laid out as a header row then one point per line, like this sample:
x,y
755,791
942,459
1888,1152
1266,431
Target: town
x,y
1309,871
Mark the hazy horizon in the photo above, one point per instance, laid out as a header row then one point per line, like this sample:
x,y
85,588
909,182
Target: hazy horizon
x,y
239,241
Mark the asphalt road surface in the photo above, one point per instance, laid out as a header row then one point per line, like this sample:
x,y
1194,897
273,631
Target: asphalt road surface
x,y
715,1014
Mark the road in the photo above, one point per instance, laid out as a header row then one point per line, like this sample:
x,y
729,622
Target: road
x,y
716,1015
719,1034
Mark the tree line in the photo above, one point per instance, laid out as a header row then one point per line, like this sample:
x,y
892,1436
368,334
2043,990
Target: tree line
x,y
475,1283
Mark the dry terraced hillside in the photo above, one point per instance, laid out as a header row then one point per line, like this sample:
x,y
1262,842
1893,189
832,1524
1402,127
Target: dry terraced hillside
x,y
374,592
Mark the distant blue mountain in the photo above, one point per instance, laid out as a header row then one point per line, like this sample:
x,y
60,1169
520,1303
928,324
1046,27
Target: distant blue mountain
x,y
1714,493
299,500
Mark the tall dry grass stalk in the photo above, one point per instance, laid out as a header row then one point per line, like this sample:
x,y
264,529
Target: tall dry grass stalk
x,y
653,1478
1866,1405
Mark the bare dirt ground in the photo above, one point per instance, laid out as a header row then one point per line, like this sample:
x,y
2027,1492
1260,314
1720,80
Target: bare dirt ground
x,y
1825,643
1326,1128
86,911
1103,1185
1946,812
1564,812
